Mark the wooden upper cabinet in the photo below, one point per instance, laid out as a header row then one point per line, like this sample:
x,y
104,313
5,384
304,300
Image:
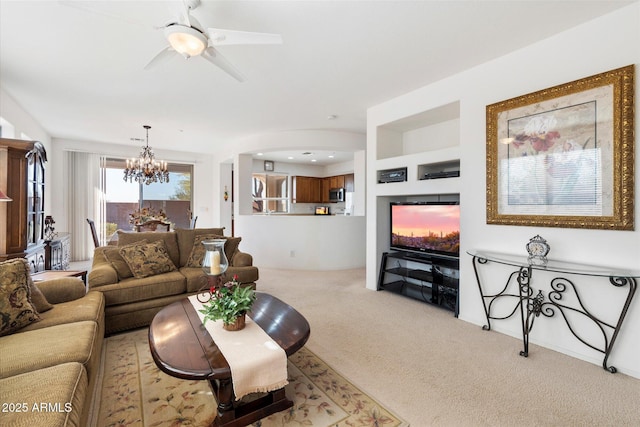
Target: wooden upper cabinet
x,y
336,181
306,189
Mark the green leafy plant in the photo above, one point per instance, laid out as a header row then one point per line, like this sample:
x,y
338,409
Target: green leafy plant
x,y
228,302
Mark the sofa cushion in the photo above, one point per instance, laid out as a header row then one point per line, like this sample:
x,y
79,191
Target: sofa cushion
x,y
147,259
112,254
197,252
186,237
89,307
41,348
62,389
169,238
16,309
132,289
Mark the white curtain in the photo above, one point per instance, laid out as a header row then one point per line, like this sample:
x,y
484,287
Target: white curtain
x,y
84,180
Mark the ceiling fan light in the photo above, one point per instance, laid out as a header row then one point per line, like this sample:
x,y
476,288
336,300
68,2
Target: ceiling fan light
x,y
186,40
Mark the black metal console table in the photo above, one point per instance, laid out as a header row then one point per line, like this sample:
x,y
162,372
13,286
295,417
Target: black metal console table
x,y
531,306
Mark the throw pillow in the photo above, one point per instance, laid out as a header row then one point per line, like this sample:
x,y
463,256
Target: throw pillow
x,y
16,309
38,299
112,254
147,259
197,252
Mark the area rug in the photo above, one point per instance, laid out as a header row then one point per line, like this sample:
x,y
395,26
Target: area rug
x,y
134,392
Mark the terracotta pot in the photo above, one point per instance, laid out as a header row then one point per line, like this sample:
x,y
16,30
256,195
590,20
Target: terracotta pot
x,y
237,325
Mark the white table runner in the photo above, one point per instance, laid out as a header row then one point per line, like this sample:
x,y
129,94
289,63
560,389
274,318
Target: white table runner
x,y
258,364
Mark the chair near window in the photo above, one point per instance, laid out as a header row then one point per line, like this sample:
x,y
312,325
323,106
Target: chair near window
x,y
192,223
94,233
153,225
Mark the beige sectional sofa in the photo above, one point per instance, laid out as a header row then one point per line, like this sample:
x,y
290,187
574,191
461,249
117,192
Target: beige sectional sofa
x,y
167,271
50,351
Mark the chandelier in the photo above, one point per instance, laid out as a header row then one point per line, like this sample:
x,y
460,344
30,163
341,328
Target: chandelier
x,y
145,169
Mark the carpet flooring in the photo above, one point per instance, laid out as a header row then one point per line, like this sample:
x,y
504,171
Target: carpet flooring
x,y
135,392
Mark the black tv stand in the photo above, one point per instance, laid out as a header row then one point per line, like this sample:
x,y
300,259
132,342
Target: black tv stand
x,y
429,284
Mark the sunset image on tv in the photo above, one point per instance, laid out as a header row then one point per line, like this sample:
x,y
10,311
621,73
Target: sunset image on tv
x,y
426,227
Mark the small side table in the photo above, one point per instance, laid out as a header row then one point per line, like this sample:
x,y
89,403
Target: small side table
x,y
56,274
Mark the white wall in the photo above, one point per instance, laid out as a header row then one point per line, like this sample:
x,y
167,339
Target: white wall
x,y
23,123
303,242
606,43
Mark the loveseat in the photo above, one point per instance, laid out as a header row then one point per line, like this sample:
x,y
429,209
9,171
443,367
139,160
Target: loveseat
x,y
147,271
51,337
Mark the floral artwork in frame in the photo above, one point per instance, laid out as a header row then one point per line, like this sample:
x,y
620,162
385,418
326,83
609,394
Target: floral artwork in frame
x,y
564,156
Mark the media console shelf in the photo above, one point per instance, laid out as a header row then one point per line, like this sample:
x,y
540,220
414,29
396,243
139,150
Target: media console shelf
x,y
564,295
431,280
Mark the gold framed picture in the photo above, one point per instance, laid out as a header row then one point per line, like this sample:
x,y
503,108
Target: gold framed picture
x,y
563,156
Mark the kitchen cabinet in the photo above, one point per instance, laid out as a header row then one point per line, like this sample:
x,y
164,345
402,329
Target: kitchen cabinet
x,y
307,189
336,181
326,185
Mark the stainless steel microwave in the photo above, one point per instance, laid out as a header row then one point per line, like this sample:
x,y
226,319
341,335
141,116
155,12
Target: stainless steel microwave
x,y
336,195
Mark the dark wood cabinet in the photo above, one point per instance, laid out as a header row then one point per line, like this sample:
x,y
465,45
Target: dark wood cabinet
x,y
306,189
22,219
58,252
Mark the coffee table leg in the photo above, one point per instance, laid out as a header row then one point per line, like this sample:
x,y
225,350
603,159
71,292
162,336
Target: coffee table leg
x,y
224,394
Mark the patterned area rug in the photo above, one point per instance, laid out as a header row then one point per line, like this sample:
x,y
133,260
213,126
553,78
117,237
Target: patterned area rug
x,y
136,393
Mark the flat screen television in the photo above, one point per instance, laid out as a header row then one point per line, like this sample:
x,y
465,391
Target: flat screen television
x,y
430,228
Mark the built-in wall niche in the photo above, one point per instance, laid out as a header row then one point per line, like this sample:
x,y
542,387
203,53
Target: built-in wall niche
x,y
450,169
431,130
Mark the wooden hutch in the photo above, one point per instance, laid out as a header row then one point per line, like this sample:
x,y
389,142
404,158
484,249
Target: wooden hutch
x,y
22,219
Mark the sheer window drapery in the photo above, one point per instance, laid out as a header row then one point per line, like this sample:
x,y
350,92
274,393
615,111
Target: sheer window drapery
x,y
85,189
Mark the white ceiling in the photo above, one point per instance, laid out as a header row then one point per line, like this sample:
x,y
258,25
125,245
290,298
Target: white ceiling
x,y
80,74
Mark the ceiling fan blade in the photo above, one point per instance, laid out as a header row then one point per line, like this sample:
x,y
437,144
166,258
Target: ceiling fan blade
x,y
213,56
220,37
179,9
164,55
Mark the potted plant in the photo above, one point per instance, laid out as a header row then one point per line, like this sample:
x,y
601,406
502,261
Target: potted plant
x,y
229,303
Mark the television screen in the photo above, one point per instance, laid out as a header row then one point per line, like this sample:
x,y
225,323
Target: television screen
x,y
426,227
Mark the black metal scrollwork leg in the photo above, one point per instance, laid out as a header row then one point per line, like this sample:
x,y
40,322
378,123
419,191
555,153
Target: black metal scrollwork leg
x,y
524,278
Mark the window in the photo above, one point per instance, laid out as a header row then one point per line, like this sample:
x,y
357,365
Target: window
x,y
122,198
270,193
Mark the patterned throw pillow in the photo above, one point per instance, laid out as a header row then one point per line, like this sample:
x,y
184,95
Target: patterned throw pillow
x,y
112,254
147,259
197,252
16,309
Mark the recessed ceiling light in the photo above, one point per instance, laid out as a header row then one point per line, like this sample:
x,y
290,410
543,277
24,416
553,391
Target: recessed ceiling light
x,y
290,157
259,154
313,160
331,156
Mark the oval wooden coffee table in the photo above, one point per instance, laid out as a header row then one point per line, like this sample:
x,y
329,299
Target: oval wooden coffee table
x,y
182,347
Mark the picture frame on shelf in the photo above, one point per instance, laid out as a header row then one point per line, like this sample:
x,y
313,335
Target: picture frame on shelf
x,y
563,156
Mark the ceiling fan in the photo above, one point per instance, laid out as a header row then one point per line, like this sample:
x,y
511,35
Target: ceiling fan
x,y
188,38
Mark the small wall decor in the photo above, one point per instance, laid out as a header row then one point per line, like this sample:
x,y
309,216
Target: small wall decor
x,y
268,165
563,156
226,193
